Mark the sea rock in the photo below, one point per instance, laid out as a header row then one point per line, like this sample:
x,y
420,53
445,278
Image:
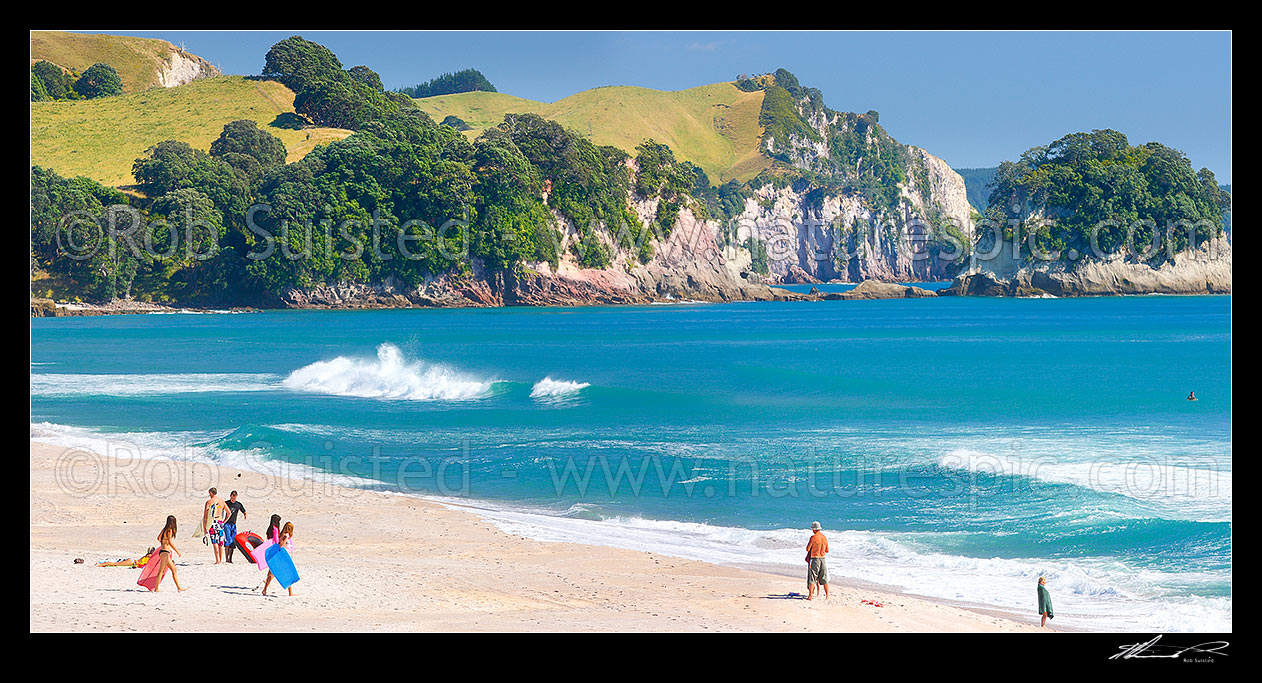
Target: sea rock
x,y
797,276
871,289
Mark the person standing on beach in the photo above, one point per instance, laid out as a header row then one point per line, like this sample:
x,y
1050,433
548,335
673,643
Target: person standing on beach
x,y
1045,602
285,540
273,529
816,569
166,540
213,515
230,524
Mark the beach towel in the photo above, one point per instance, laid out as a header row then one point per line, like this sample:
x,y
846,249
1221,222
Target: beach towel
x,y
1045,601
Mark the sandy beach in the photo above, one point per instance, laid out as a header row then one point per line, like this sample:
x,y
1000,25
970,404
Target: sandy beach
x,y
373,561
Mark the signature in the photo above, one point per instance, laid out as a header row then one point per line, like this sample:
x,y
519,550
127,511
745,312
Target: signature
x,y
1151,650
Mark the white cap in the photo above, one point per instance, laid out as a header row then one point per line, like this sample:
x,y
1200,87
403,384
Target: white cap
x,y
815,526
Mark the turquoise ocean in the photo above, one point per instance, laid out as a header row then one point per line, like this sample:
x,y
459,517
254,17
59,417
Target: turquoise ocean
x,y
956,448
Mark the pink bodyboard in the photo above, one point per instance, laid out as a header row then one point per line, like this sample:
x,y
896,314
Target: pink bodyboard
x,y
149,573
260,555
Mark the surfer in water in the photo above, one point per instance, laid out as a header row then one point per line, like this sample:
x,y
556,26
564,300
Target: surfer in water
x,y
1192,396
285,540
166,539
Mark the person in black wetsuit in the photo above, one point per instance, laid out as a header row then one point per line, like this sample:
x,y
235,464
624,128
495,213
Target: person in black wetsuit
x,y
230,525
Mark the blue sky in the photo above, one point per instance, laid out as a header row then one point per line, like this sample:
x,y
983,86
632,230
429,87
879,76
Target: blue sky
x,y
972,98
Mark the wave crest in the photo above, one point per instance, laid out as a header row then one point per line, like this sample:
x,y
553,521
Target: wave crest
x,y
390,375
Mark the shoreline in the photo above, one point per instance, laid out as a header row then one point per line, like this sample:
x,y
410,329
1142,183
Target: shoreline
x,y
65,310
49,308
376,561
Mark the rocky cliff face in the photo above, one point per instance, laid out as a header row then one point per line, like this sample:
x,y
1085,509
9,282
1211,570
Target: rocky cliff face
x,y
846,202
692,264
181,67
862,205
841,237
1206,270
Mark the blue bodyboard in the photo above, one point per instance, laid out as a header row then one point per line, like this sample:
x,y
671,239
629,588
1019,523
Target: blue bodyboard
x,y
281,564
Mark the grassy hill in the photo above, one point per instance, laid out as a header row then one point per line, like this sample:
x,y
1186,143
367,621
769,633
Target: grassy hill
x,y
713,126
101,138
137,60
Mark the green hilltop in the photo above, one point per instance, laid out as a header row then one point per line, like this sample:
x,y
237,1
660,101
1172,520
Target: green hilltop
x,y
139,61
101,138
713,126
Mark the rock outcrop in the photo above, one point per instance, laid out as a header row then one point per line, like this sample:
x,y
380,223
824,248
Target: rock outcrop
x,y
182,67
871,289
690,265
47,308
860,204
701,261
1206,270
842,239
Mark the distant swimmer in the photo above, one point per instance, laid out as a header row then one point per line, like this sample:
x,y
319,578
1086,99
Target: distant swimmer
x,y
1192,396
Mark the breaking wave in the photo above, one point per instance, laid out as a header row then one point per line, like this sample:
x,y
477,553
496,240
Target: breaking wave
x,y
555,388
390,376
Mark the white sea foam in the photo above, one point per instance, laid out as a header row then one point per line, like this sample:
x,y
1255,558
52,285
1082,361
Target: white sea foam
x,y
1096,595
54,384
389,376
1099,594
556,388
1202,493
130,447
189,311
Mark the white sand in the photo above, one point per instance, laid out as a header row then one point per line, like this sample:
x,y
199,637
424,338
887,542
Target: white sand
x,y
379,562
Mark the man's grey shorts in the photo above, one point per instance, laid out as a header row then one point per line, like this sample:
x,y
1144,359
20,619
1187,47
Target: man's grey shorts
x,y
817,571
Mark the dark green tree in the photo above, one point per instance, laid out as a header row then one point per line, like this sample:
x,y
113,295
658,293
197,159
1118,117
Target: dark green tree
x,y
100,80
366,76
38,92
173,165
465,80
244,137
298,63
57,83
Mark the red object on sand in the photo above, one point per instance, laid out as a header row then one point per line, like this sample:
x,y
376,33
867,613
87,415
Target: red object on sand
x,y
149,573
246,542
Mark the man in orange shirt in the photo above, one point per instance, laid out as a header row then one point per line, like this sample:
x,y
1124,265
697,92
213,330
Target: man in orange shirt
x,y
816,570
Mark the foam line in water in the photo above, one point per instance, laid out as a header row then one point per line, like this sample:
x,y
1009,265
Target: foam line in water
x,y
1201,493
189,446
388,376
56,384
1096,594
